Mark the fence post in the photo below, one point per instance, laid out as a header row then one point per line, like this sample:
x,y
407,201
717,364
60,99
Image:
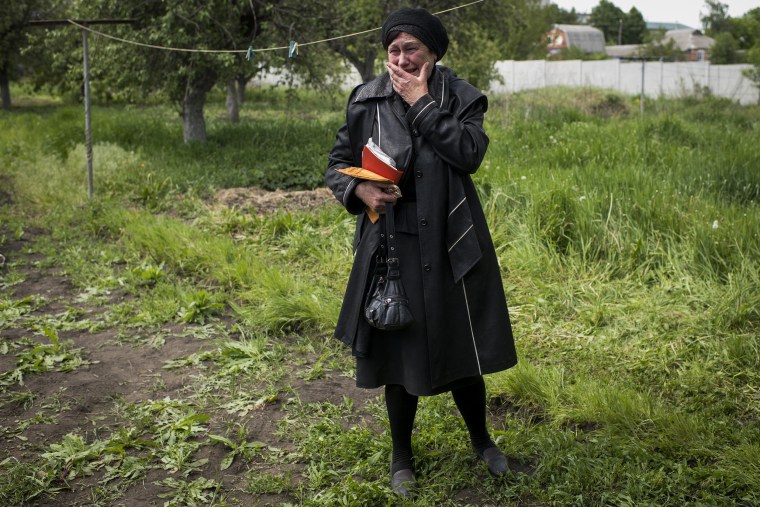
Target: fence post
x,y
87,115
514,78
641,99
544,84
662,71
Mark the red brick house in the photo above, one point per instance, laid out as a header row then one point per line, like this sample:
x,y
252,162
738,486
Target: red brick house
x,y
694,44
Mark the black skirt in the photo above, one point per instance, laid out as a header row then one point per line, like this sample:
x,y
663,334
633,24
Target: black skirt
x,y
401,357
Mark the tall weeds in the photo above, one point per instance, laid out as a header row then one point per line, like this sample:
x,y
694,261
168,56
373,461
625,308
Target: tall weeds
x,y
629,247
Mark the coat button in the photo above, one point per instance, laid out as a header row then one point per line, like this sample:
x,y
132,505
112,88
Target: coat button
x,y
427,267
418,174
423,222
416,133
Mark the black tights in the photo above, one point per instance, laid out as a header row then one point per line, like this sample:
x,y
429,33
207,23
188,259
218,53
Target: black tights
x,y
402,407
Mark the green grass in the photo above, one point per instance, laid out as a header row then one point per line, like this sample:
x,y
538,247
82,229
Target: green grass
x,y
630,252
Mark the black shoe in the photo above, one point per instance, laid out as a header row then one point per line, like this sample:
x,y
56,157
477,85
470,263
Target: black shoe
x,y
496,461
403,482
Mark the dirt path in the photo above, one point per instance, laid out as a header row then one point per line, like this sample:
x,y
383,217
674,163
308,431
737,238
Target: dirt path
x,y
119,390
123,368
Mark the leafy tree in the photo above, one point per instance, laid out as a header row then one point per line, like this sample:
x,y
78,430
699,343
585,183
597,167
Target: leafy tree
x,y
559,16
724,51
753,73
492,31
533,21
334,19
184,77
14,28
608,18
480,34
634,27
135,72
746,30
619,27
716,20
749,37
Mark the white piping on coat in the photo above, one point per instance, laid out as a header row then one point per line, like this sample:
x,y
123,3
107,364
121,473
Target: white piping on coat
x,y
460,237
472,331
443,91
457,206
422,111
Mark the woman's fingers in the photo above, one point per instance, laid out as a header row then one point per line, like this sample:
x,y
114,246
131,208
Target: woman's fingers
x,y
375,195
409,86
393,190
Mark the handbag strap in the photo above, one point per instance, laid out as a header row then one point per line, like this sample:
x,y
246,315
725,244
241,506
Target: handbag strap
x,y
390,232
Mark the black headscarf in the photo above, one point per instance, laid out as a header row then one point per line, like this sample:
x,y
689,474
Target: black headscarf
x,y
419,23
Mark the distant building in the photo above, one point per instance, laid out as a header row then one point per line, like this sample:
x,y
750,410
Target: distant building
x,y
586,38
657,25
624,51
694,44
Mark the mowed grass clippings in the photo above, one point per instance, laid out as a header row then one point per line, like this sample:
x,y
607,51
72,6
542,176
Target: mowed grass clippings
x,y
160,348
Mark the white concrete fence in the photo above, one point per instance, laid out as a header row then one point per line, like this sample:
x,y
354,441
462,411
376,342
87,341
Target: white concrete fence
x,y
668,79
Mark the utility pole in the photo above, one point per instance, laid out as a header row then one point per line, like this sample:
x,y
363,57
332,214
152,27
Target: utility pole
x,y
620,32
86,58
87,113
641,98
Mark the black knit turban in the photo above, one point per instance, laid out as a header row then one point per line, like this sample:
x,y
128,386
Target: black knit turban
x,y
420,23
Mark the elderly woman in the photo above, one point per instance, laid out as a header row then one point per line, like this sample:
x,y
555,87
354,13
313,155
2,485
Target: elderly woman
x,y
430,122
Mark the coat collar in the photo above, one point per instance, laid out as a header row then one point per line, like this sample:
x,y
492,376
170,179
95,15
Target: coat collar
x,y
378,88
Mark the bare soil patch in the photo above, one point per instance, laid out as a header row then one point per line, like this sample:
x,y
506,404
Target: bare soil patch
x,y
125,368
259,201
83,401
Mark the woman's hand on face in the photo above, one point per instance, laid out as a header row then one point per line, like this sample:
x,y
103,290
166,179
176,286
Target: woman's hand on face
x,y
410,87
375,195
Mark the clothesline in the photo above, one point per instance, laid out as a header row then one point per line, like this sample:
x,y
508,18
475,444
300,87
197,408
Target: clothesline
x,y
292,46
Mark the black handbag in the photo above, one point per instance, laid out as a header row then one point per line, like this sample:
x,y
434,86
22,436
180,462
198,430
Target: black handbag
x,y
388,307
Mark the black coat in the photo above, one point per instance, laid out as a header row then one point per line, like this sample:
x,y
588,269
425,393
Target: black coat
x,y
448,263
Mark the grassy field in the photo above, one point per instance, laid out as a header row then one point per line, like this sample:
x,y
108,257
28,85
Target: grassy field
x,y
169,341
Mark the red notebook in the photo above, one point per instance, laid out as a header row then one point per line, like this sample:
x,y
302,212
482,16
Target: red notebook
x,y
378,162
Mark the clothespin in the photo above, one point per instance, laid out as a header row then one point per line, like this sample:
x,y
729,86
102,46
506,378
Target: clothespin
x,y
249,54
293,49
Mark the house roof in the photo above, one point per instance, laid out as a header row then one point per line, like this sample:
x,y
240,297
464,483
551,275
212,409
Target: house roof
x,y
624,51
689,39
659,25
587,38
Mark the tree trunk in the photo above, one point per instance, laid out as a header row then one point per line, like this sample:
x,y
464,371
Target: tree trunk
x,y
242,81
5,89
233,110
367,67
365,64
193,121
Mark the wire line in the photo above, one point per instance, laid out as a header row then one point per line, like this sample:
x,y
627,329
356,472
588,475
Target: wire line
x,y
165,48
277,48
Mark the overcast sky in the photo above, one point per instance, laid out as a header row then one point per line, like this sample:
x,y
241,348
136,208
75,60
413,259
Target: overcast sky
x,y
685,12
